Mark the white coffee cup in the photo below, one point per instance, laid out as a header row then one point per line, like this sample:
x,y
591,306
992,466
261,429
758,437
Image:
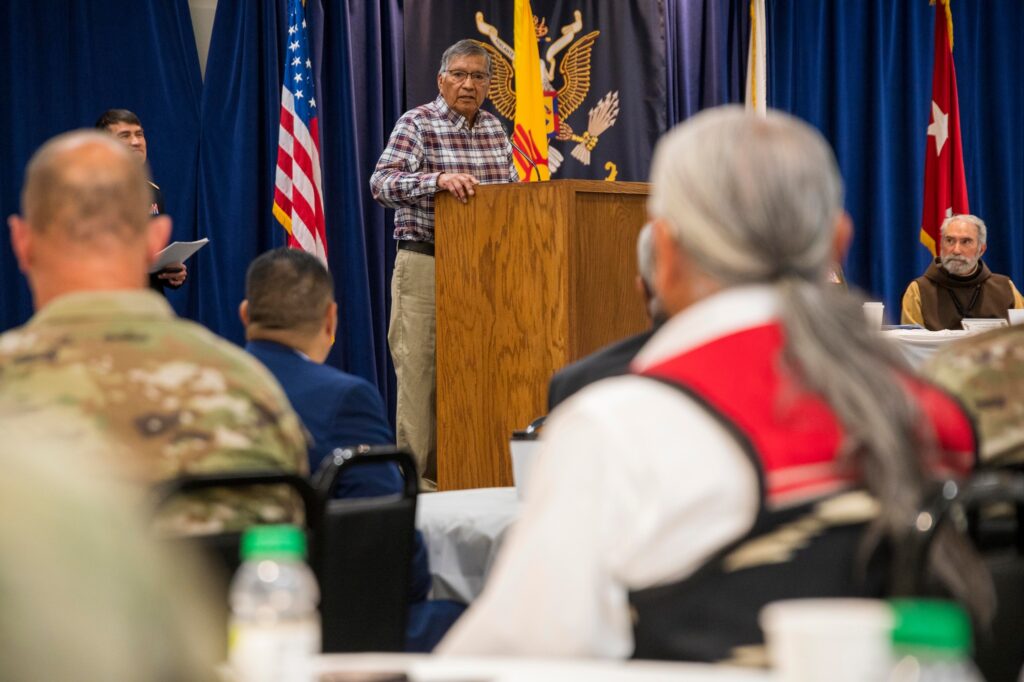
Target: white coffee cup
x,y
840,640
523,450
1016,316
873,313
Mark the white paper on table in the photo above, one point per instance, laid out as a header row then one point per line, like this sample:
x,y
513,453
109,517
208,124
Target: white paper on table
x,y
178,252
974,324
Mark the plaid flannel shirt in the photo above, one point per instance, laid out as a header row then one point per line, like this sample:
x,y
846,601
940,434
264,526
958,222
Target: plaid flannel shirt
x,y
430,140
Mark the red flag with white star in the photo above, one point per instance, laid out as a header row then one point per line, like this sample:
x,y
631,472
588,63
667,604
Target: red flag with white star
x,y
945,187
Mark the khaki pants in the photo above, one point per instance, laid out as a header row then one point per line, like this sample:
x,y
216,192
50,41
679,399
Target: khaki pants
x,y
411,338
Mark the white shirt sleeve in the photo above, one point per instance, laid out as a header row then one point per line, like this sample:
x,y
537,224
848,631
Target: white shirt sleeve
x,y
610,510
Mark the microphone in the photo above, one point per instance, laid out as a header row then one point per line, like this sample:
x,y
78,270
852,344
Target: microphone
x,y
512,141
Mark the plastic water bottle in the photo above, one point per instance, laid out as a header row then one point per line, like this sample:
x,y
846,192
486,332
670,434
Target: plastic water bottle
x,y
931,642
275,625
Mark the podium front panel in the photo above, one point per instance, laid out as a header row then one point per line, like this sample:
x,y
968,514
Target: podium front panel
x,y
530,277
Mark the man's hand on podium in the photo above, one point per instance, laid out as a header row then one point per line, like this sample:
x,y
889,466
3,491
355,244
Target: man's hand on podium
x,y
459,184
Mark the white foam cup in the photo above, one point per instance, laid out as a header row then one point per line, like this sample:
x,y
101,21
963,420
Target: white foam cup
x,y
873,313
523,450
840,640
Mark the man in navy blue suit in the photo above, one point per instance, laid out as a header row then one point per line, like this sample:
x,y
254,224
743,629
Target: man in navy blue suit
x,y
290,319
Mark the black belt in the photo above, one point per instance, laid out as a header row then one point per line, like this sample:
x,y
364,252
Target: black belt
x,y
426,248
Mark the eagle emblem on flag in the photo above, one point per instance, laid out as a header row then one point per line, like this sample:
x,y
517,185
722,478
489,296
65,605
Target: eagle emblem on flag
x,y
561,103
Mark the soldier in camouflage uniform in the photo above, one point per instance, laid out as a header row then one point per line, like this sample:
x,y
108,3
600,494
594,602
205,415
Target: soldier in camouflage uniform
x,y
169,396
987,373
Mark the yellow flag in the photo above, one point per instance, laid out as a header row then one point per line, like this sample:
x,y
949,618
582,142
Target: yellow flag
x,y
530,130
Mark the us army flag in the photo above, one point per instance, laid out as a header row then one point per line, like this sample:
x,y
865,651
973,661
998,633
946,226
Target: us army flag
x,y
945,186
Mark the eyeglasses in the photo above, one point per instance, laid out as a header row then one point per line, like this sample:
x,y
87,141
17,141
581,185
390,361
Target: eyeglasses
x,y
477,76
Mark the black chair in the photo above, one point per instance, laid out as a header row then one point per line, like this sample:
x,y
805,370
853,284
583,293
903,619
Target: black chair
x,y
363,555
990,509
221,550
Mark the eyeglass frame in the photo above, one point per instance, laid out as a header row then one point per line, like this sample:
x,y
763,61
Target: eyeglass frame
x,y
472,75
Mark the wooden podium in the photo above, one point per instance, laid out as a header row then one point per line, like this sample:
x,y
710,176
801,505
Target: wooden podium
x,y
530,277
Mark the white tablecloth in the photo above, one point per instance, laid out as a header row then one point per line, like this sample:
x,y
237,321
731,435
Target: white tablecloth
x,y
463,530
917,345
457,669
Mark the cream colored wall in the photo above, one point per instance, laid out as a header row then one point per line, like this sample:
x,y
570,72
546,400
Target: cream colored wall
x,y
203,12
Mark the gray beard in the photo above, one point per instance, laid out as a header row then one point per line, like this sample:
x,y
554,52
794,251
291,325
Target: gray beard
x,y
959,266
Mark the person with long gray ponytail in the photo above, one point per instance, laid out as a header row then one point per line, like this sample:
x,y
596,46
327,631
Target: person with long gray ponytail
x,y
767,446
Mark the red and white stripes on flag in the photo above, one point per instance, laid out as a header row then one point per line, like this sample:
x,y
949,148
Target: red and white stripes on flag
x,y
298,202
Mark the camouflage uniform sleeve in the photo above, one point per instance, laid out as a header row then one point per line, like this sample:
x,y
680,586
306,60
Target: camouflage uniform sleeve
x,y
986,373
253,428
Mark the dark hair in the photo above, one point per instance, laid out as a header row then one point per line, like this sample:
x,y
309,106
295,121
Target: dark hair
x,y
288,289
112,116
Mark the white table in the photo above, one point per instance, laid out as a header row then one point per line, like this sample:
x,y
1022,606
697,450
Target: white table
x,y
463,530
420,668
917,345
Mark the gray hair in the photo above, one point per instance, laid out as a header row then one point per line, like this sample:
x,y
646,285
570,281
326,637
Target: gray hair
x,y
967,218
645,267
465,48
754,200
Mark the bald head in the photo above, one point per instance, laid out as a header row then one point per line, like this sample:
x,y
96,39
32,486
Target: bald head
x,y
86,223
86,185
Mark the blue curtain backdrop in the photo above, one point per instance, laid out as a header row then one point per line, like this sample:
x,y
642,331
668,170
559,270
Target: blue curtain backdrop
x,y
238,155
706,44
861,72
62,64
240,106
363,60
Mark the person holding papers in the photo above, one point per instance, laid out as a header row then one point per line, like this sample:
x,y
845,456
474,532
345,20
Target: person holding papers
x,y
126,127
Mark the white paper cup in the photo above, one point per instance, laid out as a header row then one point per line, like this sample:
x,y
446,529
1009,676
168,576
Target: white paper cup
x,y
873,313
1016,316
840,640
523,452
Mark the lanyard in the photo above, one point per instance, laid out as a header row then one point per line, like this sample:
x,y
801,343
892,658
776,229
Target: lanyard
x,y
959,308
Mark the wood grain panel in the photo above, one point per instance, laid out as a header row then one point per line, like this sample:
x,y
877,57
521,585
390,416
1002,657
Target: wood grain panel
x,y
604,303
506,292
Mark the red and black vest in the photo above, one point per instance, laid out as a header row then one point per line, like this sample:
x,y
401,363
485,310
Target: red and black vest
x,y
806,538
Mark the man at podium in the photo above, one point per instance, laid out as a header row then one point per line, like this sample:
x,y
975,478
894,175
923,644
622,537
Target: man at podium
x,y
448,145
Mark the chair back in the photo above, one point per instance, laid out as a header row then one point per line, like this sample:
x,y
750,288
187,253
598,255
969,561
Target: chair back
x,y
221,551
990,508
364,555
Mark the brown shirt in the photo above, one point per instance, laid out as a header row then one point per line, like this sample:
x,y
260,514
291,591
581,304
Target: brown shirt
x,y
943,299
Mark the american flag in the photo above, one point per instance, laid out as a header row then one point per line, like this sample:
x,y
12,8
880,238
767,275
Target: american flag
x,y
298,205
